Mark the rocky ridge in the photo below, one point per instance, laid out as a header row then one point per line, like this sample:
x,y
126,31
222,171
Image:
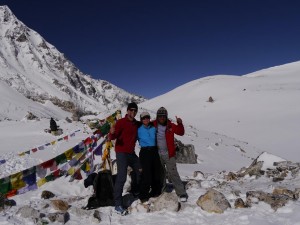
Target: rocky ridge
x,y
37,70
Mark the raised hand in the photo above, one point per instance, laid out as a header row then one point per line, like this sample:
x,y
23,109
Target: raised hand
x,y
178,120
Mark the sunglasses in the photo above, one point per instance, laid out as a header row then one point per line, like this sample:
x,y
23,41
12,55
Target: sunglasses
x,y
146,117
133,110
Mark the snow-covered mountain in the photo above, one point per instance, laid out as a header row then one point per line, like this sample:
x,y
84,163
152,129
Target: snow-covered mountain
x,y
245,116
34,68
261,108
258,108
227,133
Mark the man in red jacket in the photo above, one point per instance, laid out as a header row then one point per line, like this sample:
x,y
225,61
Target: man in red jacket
x,y
125,133
166,149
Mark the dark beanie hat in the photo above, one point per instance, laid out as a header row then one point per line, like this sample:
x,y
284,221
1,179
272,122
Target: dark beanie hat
x,y
162,112
132,105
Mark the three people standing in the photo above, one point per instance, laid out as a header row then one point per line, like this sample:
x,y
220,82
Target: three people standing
x,y
157,154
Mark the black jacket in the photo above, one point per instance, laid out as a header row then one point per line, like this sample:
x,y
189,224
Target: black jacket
x,y
53,125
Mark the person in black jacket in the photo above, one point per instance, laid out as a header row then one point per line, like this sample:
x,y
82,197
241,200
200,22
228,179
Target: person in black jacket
x,y
53,125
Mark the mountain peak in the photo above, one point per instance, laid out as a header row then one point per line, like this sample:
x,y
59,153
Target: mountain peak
x,y
6,14
36,69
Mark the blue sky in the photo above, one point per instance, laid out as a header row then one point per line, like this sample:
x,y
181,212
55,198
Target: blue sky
x,y
150,47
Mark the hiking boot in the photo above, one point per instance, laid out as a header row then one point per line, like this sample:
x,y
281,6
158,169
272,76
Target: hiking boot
x,y
183,198
120,210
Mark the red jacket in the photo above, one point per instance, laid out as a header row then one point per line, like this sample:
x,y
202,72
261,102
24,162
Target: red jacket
x,y
125,135
171,129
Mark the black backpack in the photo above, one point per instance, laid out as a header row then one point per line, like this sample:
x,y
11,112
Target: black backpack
x,y
103,191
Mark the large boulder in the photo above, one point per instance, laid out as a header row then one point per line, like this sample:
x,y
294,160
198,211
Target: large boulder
x,y
213,202
29,212
185,153
166,201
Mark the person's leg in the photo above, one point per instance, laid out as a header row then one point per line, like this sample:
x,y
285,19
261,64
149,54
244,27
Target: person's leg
x,y
122,164
174,176
146,174
134,163
157,171
163,159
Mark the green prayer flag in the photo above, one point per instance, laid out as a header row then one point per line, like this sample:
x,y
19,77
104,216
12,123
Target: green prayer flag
x,y
5,185
60,159
105,128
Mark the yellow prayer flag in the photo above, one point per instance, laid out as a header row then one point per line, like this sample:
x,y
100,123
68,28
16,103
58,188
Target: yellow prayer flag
x,y
41,182
69,154
71,171
87,167
16,181
78,156
110,119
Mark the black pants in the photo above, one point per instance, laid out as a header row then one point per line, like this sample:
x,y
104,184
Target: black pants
x,y
150,185
123,161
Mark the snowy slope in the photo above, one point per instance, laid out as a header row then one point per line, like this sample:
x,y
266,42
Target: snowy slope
x,y
15,106
260,108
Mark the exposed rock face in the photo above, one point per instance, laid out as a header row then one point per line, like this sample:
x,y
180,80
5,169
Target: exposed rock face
x,y
60,205
239,203
277,173
253,170
185,153
275,201
283,169
36,69
31,116
213,201
47,194
231,176
41,218
283,191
